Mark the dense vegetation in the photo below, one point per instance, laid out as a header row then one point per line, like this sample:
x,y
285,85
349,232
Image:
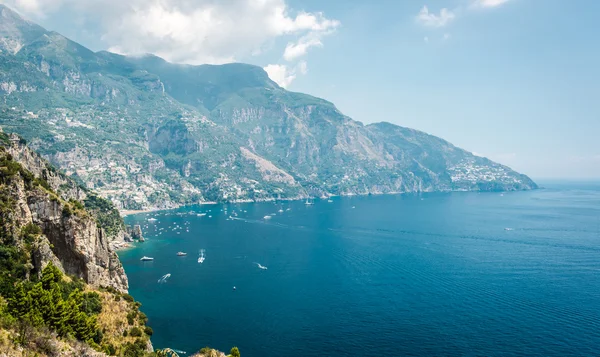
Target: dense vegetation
x,y
107,216
54,303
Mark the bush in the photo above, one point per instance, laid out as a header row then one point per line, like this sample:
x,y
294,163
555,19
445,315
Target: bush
x,y
148,330
235,352
110,349
92,304
135,332
127,297
143,318
67,212
131,315
125,334
98,336
76,204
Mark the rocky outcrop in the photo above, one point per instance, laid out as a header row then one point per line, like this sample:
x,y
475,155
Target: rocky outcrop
x,y
71,236
30,160
135,232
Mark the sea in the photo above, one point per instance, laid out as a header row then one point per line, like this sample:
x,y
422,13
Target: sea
x,y
437,274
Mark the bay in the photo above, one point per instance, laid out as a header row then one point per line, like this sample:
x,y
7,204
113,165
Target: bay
x,y
458,274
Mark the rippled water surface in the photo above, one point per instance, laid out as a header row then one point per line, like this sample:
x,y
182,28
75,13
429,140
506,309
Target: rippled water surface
x,y
438,274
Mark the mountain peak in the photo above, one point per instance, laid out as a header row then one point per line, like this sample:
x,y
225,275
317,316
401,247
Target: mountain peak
x,y
15,31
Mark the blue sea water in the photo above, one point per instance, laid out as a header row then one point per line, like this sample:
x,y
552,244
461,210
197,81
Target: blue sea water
x,y
457,274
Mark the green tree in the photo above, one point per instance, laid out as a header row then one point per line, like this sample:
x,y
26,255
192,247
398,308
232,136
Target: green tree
x,y
50,274
19,304
235,352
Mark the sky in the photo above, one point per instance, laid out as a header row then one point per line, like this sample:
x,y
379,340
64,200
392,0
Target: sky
x,y
517,81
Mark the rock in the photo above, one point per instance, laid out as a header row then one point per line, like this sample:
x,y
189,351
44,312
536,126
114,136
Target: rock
x,y
71,237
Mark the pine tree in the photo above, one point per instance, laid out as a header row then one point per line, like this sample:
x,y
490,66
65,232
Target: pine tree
x,y
19,304
50,274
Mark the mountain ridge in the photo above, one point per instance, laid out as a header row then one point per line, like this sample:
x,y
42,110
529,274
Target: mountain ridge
x,y
147,133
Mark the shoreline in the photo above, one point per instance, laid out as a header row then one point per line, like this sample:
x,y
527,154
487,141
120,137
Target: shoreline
x,y
125,213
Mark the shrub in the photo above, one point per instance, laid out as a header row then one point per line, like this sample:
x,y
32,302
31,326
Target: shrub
x,y
143,318
67,211
98,336
135,332
131,315
125,333
235,352
76,204
127,297
92,304
110,349
148,330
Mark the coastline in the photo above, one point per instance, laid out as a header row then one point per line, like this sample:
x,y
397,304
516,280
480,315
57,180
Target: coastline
x,y
125,213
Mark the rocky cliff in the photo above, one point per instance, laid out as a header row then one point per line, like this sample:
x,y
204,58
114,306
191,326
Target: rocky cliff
x,y
36,195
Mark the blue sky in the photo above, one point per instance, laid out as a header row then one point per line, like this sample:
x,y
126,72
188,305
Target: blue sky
x,y
517,81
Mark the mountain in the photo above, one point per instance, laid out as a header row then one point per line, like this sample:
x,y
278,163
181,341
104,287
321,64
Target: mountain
x,y
147,133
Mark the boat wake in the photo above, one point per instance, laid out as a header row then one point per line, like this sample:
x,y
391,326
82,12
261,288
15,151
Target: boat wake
x,y
201,258
164,278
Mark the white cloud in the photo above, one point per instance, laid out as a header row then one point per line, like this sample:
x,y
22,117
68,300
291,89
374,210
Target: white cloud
x,y
489,3
430,19
284,75
298,49
191,31
280,74
302,67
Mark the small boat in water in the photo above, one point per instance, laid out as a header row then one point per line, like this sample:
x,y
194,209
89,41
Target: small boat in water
x,y
267,217
201,258
181,254
146,259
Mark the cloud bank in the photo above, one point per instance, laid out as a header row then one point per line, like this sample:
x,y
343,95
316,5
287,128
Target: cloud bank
x,y
194,31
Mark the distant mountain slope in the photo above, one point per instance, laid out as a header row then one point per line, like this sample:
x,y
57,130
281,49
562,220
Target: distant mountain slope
x,y
147,133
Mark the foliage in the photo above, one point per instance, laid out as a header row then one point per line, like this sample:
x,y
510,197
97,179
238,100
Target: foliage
x,y
135,349
148,330
235,352
106,214
92,304
135,332
42,305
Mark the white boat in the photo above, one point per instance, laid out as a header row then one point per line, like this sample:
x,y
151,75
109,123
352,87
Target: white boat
x,y
152,219
164,278
201,214
329,201
267,217
181,254
280,211
308,203
201,258
146,259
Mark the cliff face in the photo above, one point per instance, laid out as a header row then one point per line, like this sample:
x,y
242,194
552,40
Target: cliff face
x,y
35,194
